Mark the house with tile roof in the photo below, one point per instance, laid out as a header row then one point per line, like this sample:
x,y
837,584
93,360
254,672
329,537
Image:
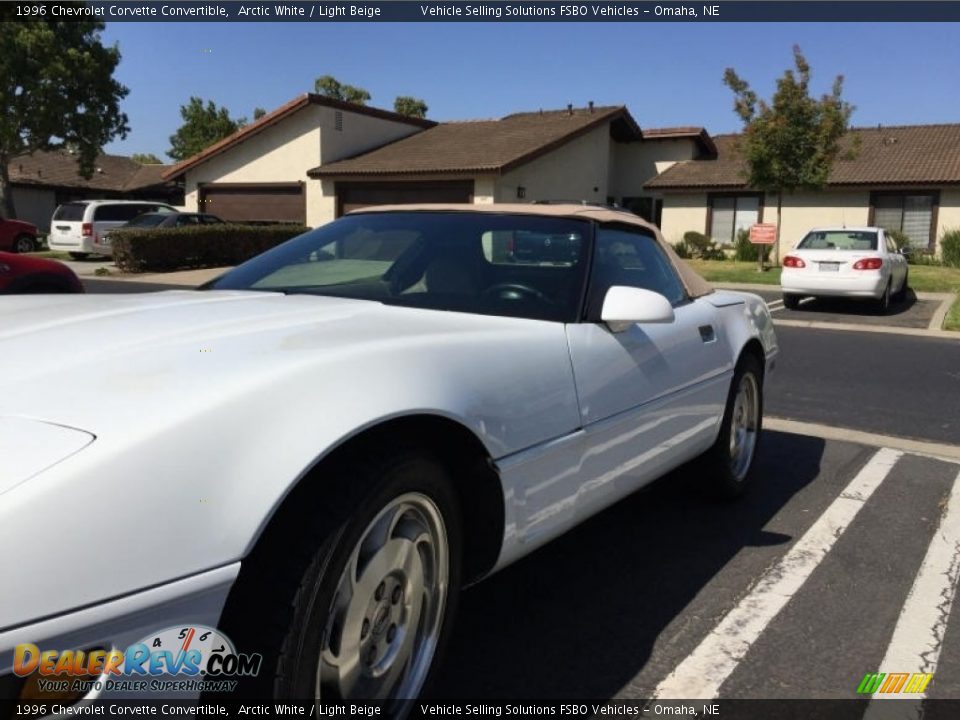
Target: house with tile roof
x,y
43,180
905,178
316,158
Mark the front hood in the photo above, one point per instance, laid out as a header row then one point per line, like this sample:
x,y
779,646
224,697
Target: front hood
x,y
97,361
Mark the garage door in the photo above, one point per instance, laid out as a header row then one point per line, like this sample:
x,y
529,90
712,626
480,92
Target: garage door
x,y
355,195
278,202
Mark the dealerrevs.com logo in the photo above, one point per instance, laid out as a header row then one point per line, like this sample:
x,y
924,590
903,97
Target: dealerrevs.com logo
x,y
188,654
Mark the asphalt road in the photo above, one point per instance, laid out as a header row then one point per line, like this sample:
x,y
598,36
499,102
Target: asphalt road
x,y
613,608
897,385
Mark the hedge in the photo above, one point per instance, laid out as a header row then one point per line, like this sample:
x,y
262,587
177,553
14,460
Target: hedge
x,y
202,246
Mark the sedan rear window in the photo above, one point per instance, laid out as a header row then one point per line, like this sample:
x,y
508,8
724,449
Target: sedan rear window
x,y
839,240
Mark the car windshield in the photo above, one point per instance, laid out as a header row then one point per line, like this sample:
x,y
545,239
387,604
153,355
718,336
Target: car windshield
x,y
147,220
839,240
491,264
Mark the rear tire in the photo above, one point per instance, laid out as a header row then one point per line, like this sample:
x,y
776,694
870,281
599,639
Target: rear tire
x,y
883,304
904,287
728,464
79,255
791,302
23,244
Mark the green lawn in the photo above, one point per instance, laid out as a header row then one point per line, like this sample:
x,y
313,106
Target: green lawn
x,y
52,254
923,278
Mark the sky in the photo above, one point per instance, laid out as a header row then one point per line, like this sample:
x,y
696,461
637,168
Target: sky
x,y
667,74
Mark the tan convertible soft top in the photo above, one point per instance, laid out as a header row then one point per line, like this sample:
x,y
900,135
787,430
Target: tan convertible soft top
x,y
695,285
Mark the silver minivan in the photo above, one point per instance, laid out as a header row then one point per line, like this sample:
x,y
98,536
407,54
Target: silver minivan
x,y
78,227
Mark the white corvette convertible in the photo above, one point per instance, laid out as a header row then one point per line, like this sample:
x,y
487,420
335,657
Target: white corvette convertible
x,y
315,453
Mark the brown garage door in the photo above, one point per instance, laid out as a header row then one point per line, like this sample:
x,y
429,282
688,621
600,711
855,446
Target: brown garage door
x,y
355,195
276,202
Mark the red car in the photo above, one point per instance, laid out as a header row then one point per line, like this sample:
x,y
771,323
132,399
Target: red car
x,y
17,236
20,274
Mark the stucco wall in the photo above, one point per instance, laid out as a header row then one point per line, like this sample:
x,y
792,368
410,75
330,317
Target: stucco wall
x,y
635,163
281,153
683,212
484,190
949,216
803,211
34,205
285,151
571,172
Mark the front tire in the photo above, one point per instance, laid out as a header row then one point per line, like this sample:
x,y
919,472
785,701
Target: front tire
x,y
729,463
377,600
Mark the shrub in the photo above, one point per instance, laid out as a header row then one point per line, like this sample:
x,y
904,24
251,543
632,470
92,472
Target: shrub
x,y
702,247
682,249
201,246
950,247
746,251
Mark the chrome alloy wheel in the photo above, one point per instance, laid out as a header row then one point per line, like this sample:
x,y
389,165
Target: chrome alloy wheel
x,y
387,611
744,421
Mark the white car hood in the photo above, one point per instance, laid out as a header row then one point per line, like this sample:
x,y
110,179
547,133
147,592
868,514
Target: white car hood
x,y
98,361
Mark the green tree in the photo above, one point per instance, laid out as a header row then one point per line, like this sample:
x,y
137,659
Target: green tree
x,y
791,142
258,113
202,126
56,88
411,106
333,88
146,159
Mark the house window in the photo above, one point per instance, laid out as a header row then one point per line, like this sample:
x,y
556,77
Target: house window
x,y
728,214
913,214
649,208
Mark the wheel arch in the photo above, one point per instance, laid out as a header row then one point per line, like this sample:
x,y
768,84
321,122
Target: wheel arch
x,y
476,481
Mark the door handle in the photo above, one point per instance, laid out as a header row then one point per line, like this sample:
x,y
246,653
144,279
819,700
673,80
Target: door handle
x,y
707,333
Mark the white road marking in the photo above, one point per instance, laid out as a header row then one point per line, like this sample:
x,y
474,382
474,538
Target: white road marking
x,y
700,674
918,635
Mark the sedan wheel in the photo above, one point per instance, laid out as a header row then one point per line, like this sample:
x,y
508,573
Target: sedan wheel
x,y
727,465
883,304
377,601
23,244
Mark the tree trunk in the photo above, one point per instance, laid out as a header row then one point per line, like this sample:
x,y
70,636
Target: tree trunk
x,y
776,243
6,192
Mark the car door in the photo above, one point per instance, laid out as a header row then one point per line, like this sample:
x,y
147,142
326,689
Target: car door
x,y
651,396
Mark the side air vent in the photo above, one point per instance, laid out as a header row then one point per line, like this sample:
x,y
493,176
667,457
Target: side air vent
x,y
338,120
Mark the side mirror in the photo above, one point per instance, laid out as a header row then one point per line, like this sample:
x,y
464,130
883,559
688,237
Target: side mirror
x,y
906,251
623,306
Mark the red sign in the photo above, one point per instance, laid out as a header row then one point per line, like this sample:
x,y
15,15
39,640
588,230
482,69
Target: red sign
x,y
763,234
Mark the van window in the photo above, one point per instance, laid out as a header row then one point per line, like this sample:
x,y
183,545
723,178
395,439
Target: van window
x,y
70,212
118,213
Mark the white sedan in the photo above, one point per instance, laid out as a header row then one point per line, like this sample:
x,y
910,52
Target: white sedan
x,y
860,262
286,478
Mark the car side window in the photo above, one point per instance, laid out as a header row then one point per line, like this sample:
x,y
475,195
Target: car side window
x,y
634,259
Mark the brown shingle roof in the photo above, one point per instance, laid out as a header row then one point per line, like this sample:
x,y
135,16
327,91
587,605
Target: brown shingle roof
x,y
59,168
699,134
485,146
896,155
280,113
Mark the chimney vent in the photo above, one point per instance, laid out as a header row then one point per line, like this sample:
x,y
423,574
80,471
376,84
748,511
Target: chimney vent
x,y
591,106
570,108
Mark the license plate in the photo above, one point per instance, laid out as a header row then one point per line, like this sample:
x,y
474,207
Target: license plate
x,y
829,267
